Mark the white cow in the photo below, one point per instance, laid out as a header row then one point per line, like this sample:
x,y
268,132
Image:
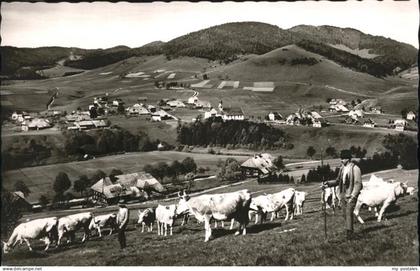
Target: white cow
x,y
102,221
35,229
68,225
219,207
146,217
165,216
282,199
299,201
261,205
384,195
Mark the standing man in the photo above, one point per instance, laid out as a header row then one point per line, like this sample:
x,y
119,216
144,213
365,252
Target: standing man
x,y
349,181
122,221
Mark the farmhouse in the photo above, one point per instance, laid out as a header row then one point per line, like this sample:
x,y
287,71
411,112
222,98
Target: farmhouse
x,y
192,100
35,124
369,123
88,124
137,109
22,202
316,123
355,114
211,114
274,116
151,108
411,115
233,113
161,115
175,103
127,186
260,164
400,124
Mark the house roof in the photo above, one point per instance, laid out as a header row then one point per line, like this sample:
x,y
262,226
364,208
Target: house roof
x,y
233,111
140,180
39,123
101,183
262,162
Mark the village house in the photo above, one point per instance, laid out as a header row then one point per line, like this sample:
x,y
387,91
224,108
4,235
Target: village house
x,y
161,115
137,109
117,102
21,202
411,115
400,124
356,114
21,117
376,110
211,114
88,124
175,103
36,124
233,113
369,123
293,119
274,116
192,100
260,165
316,123
151,108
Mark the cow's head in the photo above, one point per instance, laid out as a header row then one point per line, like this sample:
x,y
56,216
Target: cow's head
x,y
6,247
141,216
410,190
400,189
182,207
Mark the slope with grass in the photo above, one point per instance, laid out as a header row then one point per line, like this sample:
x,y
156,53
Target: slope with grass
x,y
300,242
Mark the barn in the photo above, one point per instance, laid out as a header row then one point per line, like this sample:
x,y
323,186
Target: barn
x,y
260,165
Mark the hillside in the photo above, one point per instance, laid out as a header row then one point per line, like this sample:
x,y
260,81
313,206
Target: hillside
x,y
226,43
283,65
14,59
388,51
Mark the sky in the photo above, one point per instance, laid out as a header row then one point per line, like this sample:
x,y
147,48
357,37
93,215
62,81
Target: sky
x,y
104,25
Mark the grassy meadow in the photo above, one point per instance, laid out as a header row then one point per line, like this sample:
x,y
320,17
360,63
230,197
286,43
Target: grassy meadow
x,y
300,242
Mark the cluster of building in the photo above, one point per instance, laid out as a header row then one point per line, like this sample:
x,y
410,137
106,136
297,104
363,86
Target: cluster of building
x,y
338,105
232,113
30,121
131,186
81,120
302,117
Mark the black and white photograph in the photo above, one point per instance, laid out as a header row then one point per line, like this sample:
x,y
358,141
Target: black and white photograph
x,y
197,134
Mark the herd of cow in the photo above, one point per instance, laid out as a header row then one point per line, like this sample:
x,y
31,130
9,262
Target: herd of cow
x,y
236,206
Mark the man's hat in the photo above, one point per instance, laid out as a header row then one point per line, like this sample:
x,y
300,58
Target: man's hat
x,y
345,154
121,203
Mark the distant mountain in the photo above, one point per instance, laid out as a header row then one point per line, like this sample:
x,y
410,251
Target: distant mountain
x,y
23,62
348,47
227,40
391,53
100,58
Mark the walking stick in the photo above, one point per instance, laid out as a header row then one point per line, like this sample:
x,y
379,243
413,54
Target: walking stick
x,y
325,212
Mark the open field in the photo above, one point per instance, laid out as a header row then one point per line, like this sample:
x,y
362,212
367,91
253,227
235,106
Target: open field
x,y
40,179
299,242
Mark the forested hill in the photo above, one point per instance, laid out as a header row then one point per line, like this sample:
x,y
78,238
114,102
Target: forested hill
x,y
381,50
378,56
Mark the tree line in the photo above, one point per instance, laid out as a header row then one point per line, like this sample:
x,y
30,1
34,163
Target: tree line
x,y
213,132
35,151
